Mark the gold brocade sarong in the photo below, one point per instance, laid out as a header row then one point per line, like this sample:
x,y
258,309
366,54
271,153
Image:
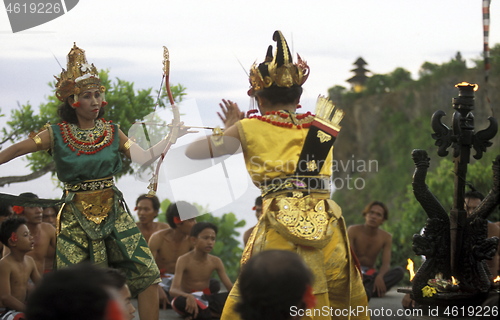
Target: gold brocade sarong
x,y
337,282
105,234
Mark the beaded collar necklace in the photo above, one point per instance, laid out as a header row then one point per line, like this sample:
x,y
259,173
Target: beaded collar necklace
x,y
287,119
87,141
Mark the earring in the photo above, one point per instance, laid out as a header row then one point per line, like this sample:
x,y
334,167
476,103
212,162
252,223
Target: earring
x,y
104,103
253,109
76,104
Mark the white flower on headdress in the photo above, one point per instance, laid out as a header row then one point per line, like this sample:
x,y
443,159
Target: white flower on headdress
x,y
86,76
85,67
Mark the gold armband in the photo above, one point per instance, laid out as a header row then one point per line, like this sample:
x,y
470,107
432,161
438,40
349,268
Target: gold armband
x,y
217,136
127,145
38,142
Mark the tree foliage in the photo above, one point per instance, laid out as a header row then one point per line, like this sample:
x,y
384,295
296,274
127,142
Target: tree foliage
x,y
432,73
126,105
336,94
494,60
381,83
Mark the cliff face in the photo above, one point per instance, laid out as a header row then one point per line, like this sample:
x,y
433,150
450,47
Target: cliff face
x,y
380,131
368,117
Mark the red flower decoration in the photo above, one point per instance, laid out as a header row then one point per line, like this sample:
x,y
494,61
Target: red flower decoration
x,y
13,237
113,311
76,104
18,209
103,104
177,220
309,298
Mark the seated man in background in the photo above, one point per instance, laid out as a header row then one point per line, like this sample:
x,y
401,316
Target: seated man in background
x,y
5,212
147,208
49,215
258,212
17,269
196,296
472,200
169,244
368,241
44,234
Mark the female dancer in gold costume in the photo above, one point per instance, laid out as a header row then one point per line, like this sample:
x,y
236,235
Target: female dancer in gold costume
x,y
94,223
289,157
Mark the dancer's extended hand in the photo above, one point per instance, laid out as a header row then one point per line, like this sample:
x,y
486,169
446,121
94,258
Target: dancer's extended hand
x,y
231,113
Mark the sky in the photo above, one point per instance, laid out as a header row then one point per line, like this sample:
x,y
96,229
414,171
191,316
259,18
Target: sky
x,y
212,45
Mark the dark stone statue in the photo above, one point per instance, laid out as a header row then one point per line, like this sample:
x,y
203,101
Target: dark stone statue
x,y
456,244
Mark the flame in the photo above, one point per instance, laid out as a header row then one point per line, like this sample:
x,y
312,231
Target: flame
x,y
410,268
465,84
497,279
454,281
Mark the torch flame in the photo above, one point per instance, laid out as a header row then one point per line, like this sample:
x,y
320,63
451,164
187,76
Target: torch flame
x,y
497,279
465,84
454,281
410,268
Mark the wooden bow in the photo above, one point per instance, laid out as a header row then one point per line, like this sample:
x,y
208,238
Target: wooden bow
x,y
175,125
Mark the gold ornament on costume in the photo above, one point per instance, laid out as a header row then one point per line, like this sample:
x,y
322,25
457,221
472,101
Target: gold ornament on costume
x,y
295,220
36,137
87,141
324,137
311,165
278,70
217,136
328,115
95,205
79,76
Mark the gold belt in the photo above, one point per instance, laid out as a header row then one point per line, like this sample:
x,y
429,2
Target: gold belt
x,y
94,205
90,185
294,184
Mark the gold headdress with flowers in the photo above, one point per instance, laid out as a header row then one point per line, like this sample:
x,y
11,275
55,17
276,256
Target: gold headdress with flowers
x,y
79,76
278,70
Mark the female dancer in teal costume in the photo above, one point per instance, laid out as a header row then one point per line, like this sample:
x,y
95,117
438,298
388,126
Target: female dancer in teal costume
x,y
94,223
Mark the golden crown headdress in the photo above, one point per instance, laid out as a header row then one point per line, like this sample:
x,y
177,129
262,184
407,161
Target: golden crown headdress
x,y
278,70
79,76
